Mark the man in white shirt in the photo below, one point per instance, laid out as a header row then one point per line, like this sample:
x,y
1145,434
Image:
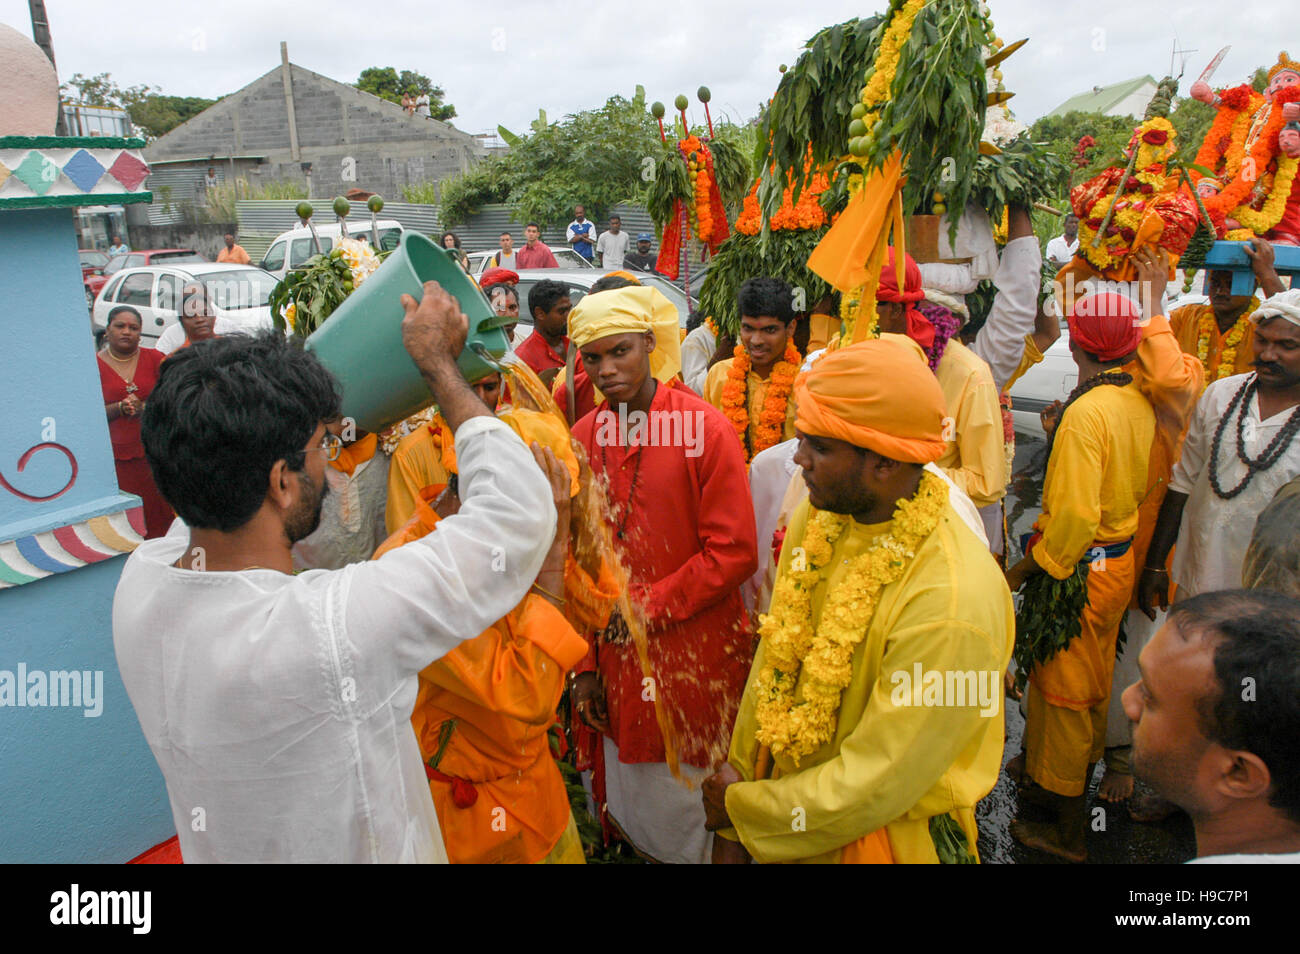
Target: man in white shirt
x,y
1241,447
1216,723
612,245
1062,248
278,706
118,247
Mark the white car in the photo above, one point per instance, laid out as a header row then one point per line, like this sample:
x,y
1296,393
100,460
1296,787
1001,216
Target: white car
x,y
239,296
293,248
567,257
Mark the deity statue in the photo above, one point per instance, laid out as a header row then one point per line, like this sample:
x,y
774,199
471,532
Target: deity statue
x,y
1253,149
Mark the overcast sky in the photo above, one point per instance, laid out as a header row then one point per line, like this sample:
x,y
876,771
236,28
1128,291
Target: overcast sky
x,y
501,61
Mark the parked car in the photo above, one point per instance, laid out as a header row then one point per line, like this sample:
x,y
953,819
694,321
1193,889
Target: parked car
x,y
293,248
580,281
567,257
1056,376
116,263
239,293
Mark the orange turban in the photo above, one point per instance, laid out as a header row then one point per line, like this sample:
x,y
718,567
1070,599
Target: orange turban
x,y
878,394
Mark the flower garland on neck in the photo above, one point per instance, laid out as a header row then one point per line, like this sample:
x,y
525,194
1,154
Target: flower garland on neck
x,y
771,419
1274,207
1209,329
824,657
1233,125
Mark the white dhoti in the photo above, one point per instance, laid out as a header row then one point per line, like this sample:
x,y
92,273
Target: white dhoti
x,y
660,815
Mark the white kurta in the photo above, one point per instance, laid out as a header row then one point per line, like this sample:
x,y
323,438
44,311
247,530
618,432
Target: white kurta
x,y
351,520
1001,341
697,349
279,707
1215,532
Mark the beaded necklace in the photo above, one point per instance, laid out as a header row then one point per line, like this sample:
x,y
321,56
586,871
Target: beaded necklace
x,y
1239,405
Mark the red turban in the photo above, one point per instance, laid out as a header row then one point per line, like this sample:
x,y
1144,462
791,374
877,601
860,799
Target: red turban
x,y
1106,324
919,328
498,276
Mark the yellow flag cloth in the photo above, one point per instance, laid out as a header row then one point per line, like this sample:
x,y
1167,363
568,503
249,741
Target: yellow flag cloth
x,y
622,311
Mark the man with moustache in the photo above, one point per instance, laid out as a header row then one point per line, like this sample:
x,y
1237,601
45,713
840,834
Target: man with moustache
x,y
277,705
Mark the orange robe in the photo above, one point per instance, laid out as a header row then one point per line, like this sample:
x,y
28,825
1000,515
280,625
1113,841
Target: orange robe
x,y
499,795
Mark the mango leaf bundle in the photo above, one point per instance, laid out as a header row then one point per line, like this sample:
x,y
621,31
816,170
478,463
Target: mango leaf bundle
x,y
1049,617
780,254
950,842
305,297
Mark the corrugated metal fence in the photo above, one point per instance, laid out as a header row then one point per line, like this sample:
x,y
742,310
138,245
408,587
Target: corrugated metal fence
x,y
261,220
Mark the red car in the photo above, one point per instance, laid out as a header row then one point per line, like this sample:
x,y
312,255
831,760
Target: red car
x,y
154,256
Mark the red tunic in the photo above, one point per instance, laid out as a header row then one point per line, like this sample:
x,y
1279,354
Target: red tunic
x,y
538,355
128,453
689,543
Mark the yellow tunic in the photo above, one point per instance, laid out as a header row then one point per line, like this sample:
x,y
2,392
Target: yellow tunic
x,y
416,464
890,766
717,379
1096,477
976,459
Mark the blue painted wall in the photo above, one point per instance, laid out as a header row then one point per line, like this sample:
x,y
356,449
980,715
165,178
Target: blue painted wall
x,y
73,789
48,377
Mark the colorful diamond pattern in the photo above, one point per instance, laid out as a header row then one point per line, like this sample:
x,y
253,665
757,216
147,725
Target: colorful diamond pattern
x,y
37,172
129,171
84,170
4,173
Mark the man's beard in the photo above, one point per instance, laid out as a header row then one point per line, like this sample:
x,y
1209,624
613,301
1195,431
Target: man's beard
x,y
302,521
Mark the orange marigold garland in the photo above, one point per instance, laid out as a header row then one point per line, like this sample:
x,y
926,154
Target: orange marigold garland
x,y
807,213
1224,152
771,419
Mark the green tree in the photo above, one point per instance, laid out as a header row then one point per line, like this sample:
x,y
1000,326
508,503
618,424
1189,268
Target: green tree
x,y
157,115
593,158
386,83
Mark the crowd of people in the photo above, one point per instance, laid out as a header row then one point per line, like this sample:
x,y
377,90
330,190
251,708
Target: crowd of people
x,y
756,591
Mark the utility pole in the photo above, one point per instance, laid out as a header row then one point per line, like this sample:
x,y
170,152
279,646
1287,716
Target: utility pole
x,y
41,34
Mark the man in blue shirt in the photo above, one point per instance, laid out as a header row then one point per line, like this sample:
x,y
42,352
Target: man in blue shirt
x,y
582,233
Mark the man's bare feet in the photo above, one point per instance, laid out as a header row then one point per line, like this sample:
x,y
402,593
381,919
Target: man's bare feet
x,y
1032,793
1149,808
1115,786
1046,838
1016,768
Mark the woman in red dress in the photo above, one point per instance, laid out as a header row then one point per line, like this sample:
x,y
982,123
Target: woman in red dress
x,y
128,373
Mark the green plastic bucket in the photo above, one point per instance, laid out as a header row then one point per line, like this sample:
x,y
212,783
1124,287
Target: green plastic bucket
x,y
361,342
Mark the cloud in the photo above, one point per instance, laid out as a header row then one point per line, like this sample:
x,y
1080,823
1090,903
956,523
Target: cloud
x,y
500,63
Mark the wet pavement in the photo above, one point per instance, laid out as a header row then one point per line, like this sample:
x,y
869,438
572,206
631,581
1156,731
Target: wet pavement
x,y
1113,837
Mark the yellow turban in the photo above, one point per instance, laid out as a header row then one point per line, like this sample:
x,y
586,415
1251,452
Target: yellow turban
x,y
878,394
621,311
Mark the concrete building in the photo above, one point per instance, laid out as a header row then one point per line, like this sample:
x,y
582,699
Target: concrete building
x,y
1129,98
293,124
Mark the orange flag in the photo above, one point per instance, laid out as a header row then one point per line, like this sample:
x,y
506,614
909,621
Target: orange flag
x,y
841,256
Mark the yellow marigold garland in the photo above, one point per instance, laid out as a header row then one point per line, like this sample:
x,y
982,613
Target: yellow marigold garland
x,y
797,728
1274,207
771,419
1208,328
